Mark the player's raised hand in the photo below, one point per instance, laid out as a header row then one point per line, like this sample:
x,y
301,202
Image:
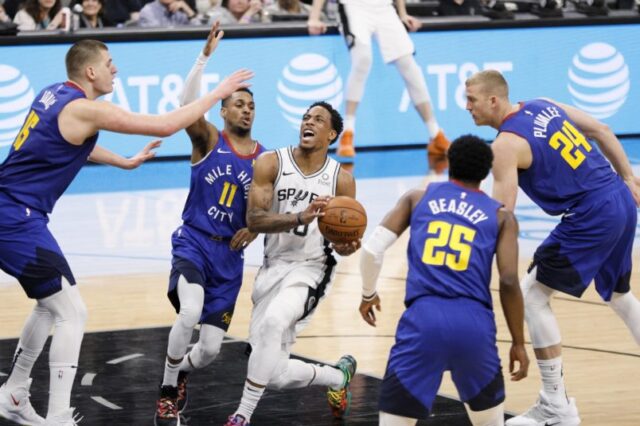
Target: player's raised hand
x,y
518,354
316,26
238,80
367,312
242,238
215,35
147,153
413,24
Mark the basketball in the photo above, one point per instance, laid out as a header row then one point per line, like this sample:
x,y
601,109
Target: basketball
x,y
344,220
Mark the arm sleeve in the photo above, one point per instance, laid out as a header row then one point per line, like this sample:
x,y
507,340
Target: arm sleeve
x,y
371,258
191,90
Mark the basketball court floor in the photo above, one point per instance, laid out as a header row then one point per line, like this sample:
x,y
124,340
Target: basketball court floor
x,y
115,226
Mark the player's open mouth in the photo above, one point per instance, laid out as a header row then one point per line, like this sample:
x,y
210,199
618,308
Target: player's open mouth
x,y
308,133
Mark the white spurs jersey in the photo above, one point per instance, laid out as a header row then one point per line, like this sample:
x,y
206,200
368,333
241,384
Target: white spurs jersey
x,y
292,193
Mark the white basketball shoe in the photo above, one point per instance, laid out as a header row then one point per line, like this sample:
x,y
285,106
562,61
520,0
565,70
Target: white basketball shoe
x,y
64,418
15,406
545,413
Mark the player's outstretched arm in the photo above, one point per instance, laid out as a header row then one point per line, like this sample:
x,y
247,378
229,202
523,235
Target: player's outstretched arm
x,y
260,218
505,171
104,156
510,293
608,143
314,23
83,118
203,134
372,255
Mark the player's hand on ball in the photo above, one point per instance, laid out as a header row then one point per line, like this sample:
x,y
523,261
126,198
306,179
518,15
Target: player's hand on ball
x,y
242,239
367,312
314,209
347,249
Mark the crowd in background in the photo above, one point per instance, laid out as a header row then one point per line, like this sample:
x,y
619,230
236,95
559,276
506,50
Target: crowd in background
x,y
32,15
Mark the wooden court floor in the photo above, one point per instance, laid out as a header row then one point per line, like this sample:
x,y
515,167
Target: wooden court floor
x,y
601,360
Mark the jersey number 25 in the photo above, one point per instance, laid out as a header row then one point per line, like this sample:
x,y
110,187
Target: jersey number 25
x,y
457,238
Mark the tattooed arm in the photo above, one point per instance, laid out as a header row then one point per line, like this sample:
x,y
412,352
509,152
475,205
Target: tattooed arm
x,y
260,218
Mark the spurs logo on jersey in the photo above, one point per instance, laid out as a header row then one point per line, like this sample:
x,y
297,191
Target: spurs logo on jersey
x,y
294,191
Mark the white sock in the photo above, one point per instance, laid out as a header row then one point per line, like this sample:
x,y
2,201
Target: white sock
x,y
250,397
170,373
552,380
432,126
61,378
23,361
328,376
32,339
188,365
350,122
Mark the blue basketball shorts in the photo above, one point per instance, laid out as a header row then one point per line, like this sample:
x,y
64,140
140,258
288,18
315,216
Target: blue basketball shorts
x,y
593,241
211,264
434,335
29,252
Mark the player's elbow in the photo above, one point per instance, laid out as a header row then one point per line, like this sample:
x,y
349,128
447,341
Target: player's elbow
x,y
599,131
509,283
166,129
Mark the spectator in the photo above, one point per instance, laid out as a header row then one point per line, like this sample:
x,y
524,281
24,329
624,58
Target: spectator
x,y
3,15
288,7
91,16
166,13
236,12
118,13
11,7
40,15
458,7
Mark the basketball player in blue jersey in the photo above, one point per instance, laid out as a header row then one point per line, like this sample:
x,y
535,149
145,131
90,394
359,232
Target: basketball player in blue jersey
x,y
208,258
290,188
58,136
546,148
455,230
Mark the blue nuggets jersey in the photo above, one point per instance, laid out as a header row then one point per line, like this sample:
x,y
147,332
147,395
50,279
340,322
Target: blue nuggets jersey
x,y
217,200
41,163
452,242
565,166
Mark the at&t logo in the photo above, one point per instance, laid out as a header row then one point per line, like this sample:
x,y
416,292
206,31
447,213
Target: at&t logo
x,y
16,96
599,80
306,79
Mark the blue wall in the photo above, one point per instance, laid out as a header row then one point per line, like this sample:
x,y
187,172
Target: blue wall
x,y
595,67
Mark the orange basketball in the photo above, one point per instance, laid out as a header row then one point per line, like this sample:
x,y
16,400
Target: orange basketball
x,y
344,220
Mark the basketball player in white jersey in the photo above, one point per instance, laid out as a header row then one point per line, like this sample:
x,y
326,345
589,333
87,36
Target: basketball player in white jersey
x,y
290,187
360,20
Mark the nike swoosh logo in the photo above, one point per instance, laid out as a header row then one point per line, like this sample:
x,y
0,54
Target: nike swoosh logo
x,y
15,402
552,423
221,151
287,174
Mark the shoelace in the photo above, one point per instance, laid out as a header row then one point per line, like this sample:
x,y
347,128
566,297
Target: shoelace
x,y
335,396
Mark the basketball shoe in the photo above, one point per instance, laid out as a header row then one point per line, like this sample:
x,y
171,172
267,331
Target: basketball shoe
x,y
236,420
167,407
64,418
15,406
439,144
545,413
183,397
340,400
345,146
